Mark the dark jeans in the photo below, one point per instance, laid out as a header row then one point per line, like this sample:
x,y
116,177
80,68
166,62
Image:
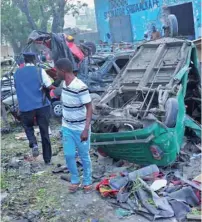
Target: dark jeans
x,y
42,117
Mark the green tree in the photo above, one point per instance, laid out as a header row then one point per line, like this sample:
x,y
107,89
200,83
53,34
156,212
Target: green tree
x,y
20,17
14,25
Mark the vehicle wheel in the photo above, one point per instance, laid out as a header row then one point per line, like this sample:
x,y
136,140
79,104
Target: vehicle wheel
x,y
95,98
171,109
57,109
92,47
173,24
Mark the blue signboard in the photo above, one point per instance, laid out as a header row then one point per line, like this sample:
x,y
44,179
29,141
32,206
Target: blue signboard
x,y
143,15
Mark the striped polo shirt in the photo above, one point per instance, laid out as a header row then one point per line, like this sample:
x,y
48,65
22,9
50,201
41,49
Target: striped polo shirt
x,y
74,97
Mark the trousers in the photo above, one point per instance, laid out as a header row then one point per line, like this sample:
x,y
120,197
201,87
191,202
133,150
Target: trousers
x,y
42,117
71,141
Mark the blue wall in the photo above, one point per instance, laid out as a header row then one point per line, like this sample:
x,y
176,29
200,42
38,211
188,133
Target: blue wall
x,y
142,16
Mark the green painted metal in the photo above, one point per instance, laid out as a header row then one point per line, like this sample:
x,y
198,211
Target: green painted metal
x,y
169,140
189,122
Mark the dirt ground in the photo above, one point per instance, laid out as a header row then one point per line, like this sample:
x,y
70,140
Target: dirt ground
x,y
31,192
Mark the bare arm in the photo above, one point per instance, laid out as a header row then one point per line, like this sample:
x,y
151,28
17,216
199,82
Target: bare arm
x,y
85,133
85,99
88,115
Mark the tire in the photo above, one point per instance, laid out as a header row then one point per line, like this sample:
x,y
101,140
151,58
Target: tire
x,y
173,24
57,109
95,98
92,47
171,109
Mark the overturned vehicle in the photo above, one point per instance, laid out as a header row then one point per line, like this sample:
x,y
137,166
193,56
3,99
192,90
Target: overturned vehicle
x,y
142,116
97,74
97,71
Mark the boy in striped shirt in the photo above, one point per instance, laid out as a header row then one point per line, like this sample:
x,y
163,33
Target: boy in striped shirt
x,y
77,114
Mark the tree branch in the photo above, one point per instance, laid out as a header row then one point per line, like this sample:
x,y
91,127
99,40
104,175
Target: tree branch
x,y
44,22
23,6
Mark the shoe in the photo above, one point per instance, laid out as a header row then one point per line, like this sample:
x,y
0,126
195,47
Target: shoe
x,y
35,151
48,163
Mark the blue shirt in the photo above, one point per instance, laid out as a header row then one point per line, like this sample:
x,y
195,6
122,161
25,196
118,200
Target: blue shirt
x,y
27,84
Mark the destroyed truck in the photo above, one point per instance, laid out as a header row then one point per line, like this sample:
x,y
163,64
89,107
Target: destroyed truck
x,y
142,116
97,71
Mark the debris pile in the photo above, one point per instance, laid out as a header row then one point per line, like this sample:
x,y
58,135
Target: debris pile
x,y
151,193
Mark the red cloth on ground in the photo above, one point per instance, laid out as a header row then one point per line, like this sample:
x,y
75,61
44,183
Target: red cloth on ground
x,y
104,188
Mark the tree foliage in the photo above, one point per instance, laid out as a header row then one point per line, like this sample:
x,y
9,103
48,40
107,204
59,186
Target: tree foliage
x,y
20,17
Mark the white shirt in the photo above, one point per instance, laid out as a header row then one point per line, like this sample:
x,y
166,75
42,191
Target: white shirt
x,y
74,97
45,78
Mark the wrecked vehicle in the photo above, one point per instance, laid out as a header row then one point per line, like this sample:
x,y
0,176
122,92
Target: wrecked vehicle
x,y
59,47
142,116
101,70
97,74
97,71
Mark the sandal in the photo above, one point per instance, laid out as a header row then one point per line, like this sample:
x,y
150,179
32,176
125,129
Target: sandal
x,y
88,188
74,187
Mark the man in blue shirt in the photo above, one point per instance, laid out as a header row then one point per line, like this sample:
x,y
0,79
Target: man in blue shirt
x,y
33,104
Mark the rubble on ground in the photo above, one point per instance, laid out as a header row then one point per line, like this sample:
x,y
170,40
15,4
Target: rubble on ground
x,y
32,191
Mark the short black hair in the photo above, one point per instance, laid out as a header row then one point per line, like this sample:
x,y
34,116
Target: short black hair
x,y
64,64
43,58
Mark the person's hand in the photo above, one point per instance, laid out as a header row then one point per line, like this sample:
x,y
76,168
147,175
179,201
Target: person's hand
x,y
84,135
52,87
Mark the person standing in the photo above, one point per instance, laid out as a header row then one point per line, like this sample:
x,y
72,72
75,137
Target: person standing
x,y
155,34
76,123
32,102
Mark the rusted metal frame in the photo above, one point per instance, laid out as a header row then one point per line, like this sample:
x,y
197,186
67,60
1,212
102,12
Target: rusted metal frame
x,y
169,44
109,96
121,75
116,67
150,69
150,101
180,63
158,56
131,61
134,112
144,89
181,60
160,99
